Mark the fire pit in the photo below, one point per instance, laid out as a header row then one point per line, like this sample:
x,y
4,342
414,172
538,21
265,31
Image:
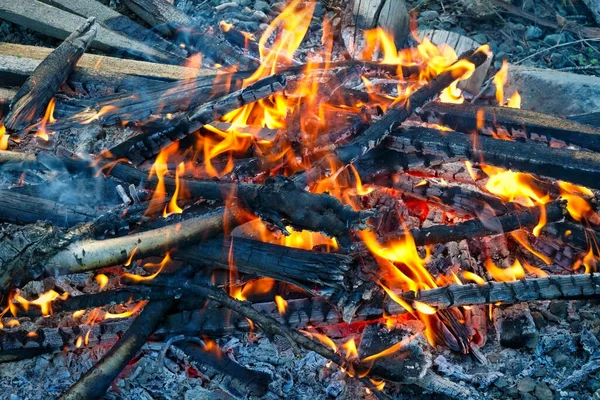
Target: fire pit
x,y
308,200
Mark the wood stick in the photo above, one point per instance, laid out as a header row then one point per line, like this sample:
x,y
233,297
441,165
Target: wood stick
x,y
52,254
393,117
519,123
118,23
525,290
59,24
578,167
31,100
94,63
95,382
143,146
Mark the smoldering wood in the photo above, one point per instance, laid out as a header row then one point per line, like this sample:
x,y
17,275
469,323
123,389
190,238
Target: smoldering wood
x,y
579,167
143,146
21,209
519,123
51,254
59,24
118,23
575,234
244,382
15,344
511,221
96,381
393,117
301,267
31,100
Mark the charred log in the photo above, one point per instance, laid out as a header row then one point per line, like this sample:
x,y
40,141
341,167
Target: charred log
x,y
31,100
578,167
519,123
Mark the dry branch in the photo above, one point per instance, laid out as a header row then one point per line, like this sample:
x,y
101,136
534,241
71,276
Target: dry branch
x,y
578,167
95,382
59,24
519,123
31,100
393,117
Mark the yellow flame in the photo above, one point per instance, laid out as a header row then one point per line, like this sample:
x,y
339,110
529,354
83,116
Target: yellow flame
x,y
126,314
44,301
512,273
160,266
281,304
102,280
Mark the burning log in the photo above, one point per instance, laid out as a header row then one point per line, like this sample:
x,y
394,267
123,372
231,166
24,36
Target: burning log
x,y
393,117
578,167
59,24
514,220
299,267
519,123
143,146
31,100
95,382
119,23
243,382
46,252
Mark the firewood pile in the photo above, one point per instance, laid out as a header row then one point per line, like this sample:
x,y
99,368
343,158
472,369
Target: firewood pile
x,y
336,204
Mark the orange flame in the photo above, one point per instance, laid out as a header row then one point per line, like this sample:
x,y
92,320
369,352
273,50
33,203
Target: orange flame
x,y
161,266
102,280
281,304
3,138
48,118
44,301
350,348
509,274
126,314
324,339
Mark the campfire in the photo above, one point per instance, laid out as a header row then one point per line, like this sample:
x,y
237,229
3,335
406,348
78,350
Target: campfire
x,y
356,202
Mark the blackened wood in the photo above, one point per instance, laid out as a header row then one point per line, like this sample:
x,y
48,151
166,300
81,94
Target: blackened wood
x,y
525,218
59,24
268,260
579,167
143,146
520,123
95,382
118,23
19,208
31,100
592,119
393,118
525,290
246,382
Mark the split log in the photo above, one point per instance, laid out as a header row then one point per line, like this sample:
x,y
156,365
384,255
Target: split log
x,y
578,167
95,382
59,24
141,147
243,382
100,64
393,117
512,221
520,124
49,253
391,15
118,23
31,100
159,14
316,272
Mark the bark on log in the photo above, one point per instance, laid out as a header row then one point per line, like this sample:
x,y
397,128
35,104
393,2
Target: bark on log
x,y
39,250
578,167
141,147
393,117
118,23
391,15
31,100
95,382
59,24
314,271
519,123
